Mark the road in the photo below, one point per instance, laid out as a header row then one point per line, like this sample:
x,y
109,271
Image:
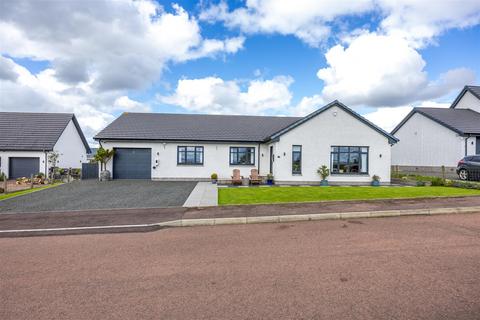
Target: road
x,y
425,267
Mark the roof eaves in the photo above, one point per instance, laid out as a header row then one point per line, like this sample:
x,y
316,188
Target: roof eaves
x,y
418,110
462,93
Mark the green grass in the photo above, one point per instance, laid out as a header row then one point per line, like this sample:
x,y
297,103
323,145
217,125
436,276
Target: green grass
x,y
229,196
27,191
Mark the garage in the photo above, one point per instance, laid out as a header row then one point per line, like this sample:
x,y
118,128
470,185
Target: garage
x,y
23,167
132,163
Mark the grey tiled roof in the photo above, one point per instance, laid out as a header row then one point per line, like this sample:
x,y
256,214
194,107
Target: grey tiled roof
x,y
194,127
475,90
34,131
462,121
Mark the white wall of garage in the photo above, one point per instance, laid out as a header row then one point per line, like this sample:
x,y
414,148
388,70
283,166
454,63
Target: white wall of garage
x,y
216,159
71,148
5,155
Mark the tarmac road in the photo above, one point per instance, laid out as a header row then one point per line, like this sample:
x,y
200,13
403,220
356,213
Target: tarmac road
x,y
424,267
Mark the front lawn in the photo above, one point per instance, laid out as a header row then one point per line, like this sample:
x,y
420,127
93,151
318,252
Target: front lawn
x,y
228,196
13,194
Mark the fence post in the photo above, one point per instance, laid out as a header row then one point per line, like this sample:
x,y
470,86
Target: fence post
x,y
5,185
31,181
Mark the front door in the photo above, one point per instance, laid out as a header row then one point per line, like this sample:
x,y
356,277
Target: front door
x,y
478,146
271,159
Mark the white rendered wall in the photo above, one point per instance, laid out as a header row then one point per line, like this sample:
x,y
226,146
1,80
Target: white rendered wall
x,y
423,142
5,155
469,101
334,127
71,148
216,159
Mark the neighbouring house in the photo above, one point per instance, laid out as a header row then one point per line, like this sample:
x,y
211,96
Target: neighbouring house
x,y
26,139
192,147
434,137
91,154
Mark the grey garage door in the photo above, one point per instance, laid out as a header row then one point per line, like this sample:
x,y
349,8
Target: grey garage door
x,y
132,163
23,167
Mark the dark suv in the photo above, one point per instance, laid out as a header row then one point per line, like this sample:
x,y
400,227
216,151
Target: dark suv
x,y
469,168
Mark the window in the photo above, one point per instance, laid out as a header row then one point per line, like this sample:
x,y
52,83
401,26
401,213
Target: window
x,y
242,155
189,155
296,159
349,160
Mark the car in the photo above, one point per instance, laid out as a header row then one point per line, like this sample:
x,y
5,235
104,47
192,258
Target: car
x,y
469,168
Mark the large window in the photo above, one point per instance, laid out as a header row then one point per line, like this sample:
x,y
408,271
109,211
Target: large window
x,y
242,156
349,160
189,155
296,159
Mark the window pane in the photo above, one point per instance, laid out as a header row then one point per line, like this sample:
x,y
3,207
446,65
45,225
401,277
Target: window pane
x,y
354,149
343,149
343,157
364,163
334,149
364,149
296,148
354,158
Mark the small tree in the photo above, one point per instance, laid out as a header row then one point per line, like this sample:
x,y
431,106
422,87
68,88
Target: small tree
x,y
324,172
103,156
52,159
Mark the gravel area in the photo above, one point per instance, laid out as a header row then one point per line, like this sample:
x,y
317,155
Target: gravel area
x,y
89,194
424,268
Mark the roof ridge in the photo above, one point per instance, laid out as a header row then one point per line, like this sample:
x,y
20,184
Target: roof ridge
x,y
210,115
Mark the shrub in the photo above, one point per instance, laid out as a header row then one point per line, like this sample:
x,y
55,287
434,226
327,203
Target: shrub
x,y
324,172
214,176
375,178
436,181
2,176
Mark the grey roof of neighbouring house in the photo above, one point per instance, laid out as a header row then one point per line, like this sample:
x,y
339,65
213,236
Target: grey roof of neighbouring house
x,y
198,127
462,121
25,131
475,90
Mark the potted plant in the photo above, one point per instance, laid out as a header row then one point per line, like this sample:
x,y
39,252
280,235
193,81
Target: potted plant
x,y
214,178
103,156
324,172
375,181
270,179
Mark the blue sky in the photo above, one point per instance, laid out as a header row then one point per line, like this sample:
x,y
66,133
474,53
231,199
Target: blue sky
x,y
262,57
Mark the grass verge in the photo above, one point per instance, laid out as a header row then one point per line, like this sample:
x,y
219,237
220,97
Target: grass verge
x,y
27,191
231,196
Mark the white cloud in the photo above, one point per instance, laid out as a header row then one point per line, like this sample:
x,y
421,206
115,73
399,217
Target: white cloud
x,y
383,70
44,93
124,103
306,19
311,20
119,44
215,95
421,21
98,52
388,118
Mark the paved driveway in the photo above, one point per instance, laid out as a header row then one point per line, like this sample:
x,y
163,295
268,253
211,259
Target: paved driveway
x,y
89,194
393,268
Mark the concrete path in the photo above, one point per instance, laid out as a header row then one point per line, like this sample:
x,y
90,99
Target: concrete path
x,y
205,194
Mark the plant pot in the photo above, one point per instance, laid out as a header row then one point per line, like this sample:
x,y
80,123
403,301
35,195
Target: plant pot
x,y
324,183
214,181
105,175
269,182
375,183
